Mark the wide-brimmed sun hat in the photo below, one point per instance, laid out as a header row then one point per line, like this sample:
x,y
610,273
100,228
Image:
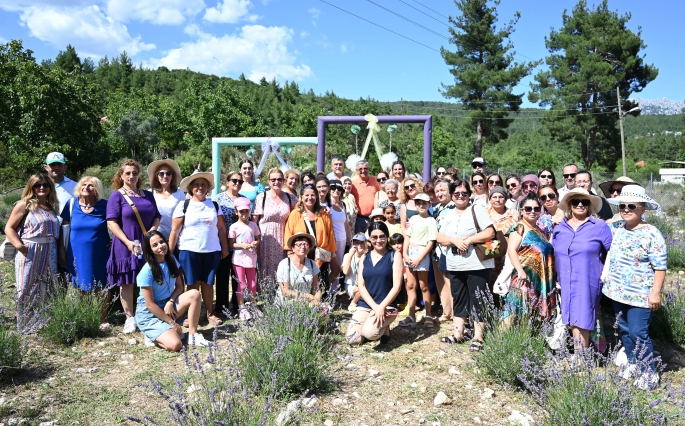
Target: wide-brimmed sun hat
x,y
376,212
155,165
634,194
596,201
606,186
291,240
209,177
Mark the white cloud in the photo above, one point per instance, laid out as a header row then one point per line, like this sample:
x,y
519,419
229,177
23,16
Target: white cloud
x,y
343,48
257,51
314,12
304,34
230,12
172,12
88,28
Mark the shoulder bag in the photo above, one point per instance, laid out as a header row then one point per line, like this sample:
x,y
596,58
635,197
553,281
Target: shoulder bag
x,y
7,249
497,247
320,254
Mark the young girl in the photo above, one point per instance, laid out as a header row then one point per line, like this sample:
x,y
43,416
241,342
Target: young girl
x,y
397,244
394,227
422,232
162,301
376,216
244,241
350,267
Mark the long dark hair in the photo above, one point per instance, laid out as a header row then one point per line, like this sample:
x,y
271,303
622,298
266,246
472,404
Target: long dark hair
x,y
384,228
152,261
323,178
549,170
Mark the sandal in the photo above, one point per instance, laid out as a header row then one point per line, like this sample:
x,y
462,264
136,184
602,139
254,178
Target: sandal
x,y
407,322
452,339
444,318
214,319
476,345
428,322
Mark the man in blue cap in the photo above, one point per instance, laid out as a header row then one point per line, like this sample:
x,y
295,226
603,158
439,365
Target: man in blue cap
x,y
55,165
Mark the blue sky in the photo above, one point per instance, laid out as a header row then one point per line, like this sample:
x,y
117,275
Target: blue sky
x,y
314,43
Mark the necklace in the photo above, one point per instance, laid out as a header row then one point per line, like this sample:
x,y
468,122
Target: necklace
x,y
130,192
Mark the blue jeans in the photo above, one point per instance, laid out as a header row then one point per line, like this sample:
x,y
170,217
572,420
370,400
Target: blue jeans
x,y
634,327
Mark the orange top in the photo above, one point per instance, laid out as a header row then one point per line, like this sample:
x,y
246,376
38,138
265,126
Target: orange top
x,y
322,226
364,193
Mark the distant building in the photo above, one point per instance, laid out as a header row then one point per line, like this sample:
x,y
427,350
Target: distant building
x,y
673,174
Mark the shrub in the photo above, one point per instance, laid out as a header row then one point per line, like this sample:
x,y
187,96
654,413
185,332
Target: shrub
x,y
663,224
11,350
668,323
72,315
675,256
10,199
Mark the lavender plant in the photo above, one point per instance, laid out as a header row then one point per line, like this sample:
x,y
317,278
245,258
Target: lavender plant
x,y
668,323
12,350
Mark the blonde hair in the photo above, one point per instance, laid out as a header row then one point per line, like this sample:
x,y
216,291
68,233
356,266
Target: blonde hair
x,y
403,195
29,198
293,172
99,190
231,173
118,182
275,170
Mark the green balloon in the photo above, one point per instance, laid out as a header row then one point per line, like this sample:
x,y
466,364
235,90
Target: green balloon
x,y
392,128
355,129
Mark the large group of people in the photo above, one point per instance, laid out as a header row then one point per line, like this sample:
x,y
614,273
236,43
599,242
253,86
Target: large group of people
x,y
394,243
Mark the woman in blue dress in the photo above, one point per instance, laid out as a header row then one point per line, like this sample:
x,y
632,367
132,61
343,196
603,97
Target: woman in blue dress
x,y
88,249
250,187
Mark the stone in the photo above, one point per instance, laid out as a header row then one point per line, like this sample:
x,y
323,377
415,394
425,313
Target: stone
x,y
487,393
391,404
351,366
294,405
50,423
414,385
356,395
102,343
3,400
328,422
441,399
406,411
310,402
132,341
337,402
193,388
453,370
373,373
521,419
681,272
284,417
422,421
127,356
477,420
80,370
387,416
12,421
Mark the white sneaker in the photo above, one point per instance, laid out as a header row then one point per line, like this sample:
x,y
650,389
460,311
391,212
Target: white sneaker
x,y
130,325
197,339
149,342
621,358
244,314
630,371
647,380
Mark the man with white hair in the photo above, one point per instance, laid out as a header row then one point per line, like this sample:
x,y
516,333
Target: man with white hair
x,y
364,188
337,168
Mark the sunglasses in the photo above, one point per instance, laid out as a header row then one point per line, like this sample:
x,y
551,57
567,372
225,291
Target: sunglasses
x,y
529,186
461,194
162,174
478,182
44,185
529,209
237,181
134,173
495,182
378,237
440,173
546,197
569,176
337,188
631,207
408,187
474,165
276,180
584,201
511,185
383,179
545,176
301,244
616,190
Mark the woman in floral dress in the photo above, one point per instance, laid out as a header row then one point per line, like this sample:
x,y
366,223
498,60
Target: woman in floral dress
x,y
271,211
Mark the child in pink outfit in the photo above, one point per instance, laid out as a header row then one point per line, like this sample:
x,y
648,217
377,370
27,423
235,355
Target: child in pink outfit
x,y
244,241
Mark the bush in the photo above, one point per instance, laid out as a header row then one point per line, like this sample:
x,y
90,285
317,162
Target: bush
x,y
11,351
285,352
675,257
663,224
72,315
10,199
668,323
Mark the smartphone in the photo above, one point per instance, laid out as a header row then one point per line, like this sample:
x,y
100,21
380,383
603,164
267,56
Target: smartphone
x,y
390,312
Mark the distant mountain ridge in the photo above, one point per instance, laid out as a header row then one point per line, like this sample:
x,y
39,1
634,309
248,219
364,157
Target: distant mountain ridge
x,y
661,106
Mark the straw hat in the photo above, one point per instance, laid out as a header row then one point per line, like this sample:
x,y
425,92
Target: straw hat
x,y
606,186
634,193
312,241
155,165
209,177
596,202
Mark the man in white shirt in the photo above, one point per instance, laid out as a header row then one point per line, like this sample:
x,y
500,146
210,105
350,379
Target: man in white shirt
x,y
55,165
478,164
570,171
337,168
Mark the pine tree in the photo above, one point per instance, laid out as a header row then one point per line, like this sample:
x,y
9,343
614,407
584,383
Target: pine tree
x,y
590,56
484,69
68,60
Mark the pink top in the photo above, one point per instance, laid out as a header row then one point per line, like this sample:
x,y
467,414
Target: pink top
x,y
243,234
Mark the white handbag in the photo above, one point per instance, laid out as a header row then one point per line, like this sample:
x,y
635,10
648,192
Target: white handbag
x,y
320,254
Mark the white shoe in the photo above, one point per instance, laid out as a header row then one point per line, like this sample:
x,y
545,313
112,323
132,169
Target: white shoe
x,y
197,339
130,325
647,380
149,343
621,358
630,371
244,314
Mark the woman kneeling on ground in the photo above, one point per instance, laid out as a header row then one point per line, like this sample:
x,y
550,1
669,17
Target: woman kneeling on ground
x,y
162,300
379,282
297,275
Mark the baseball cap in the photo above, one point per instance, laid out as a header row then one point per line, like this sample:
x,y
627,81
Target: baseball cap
x,y
423,197
55,157
479,160
359,237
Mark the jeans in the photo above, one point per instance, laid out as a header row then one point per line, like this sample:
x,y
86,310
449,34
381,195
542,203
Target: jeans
x,y
634,326
361,223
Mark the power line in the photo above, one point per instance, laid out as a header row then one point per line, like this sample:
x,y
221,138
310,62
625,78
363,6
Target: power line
x,y
537,111
434,11
409,20
569,95
524,118
387,29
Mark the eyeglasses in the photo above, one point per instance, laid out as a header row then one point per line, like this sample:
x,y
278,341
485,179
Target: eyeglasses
x,y
511,185
474,165
461,194
495,182
383,179
41,185
584,201
545,176
583,182
301,244
478,182
162,174
378,237
529,186
546,197
630,207
569,176
529,209
134,173
615,190
237,181
440,173
411,186
337,188
276,180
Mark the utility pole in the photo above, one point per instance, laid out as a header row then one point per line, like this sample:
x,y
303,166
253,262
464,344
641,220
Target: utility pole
x,y
620,117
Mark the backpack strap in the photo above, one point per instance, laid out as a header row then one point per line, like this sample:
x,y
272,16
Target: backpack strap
x,y
186,203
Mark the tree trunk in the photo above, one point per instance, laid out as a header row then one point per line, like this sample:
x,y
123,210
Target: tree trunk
x,y
591,149
479,140
583,149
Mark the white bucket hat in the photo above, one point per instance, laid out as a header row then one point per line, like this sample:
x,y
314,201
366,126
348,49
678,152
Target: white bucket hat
x,y
634,194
